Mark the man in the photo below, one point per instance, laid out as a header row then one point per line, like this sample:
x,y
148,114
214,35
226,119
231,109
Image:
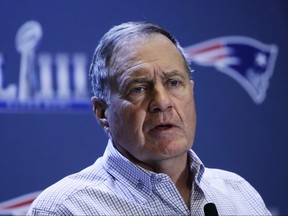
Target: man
x,y
143,98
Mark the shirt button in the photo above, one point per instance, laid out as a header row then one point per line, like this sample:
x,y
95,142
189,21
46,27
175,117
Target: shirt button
x,y
159,180
140,184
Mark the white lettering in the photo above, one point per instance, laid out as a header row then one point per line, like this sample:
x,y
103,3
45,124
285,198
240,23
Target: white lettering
x,y
46,79
80,76
63,82
9,92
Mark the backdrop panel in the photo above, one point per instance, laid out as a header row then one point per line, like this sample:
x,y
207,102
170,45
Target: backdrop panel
x,y
239,56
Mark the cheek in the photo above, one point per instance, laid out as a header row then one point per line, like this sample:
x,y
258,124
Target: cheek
x,y
189,114
126,119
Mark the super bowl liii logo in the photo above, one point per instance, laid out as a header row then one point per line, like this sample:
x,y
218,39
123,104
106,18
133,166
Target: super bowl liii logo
x,y
45,81
60,81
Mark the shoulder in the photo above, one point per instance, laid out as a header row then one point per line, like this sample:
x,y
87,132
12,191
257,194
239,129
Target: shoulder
x,y
211,173
221,185
227,180
228,183
52,199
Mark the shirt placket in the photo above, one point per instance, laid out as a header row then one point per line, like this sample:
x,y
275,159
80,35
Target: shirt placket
x,y
164,188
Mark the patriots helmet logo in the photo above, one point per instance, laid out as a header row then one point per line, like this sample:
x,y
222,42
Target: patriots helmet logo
x,y
246,60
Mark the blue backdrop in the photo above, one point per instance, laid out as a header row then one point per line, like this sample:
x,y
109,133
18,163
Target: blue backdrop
x,y
239,53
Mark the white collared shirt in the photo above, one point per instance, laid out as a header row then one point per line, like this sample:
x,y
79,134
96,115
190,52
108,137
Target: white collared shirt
x,y
115,186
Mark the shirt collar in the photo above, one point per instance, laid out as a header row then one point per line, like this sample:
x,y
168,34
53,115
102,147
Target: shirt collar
x,y
197,168
141,179
125,171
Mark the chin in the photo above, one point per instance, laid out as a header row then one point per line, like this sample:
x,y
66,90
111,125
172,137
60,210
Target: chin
x,y
173,149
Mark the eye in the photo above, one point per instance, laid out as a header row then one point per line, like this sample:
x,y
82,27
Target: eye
x,y
174,83
135,93
137,90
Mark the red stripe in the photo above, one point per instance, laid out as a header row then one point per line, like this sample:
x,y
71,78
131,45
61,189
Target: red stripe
x,y
219,57
27,202
204,49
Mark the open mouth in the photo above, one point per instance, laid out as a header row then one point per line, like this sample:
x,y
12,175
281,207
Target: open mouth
x,y
163,127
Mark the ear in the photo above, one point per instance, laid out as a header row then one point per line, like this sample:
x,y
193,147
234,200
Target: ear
x,y
192,84
99,108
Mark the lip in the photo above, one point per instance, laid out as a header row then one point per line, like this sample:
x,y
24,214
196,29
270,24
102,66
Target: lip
x,y
163,126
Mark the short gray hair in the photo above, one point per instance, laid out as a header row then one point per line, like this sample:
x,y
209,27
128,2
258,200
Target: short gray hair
x,y
113,39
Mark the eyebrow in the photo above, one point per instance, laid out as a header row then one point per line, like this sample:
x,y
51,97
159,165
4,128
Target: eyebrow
x,y
132,80
145,79
174,73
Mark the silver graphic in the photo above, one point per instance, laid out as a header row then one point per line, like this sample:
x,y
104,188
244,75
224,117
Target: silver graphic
x,y
27,39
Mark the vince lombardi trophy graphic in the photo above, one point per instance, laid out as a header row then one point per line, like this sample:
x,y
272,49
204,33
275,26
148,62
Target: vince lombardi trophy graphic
x,y
27,40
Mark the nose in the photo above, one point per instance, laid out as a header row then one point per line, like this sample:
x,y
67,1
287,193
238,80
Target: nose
x,y
160,100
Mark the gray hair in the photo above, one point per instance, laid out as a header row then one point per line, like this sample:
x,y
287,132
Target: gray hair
x,y
114,39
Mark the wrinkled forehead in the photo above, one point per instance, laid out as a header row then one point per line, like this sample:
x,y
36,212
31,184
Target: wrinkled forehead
x,y
134,50
125,50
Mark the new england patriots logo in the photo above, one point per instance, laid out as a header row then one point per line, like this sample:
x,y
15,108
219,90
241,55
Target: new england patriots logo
x,y
246,60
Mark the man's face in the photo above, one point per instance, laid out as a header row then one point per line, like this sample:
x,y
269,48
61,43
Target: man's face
x,y
151,114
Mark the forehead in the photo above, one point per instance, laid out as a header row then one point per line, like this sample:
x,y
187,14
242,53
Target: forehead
x,y
142,52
